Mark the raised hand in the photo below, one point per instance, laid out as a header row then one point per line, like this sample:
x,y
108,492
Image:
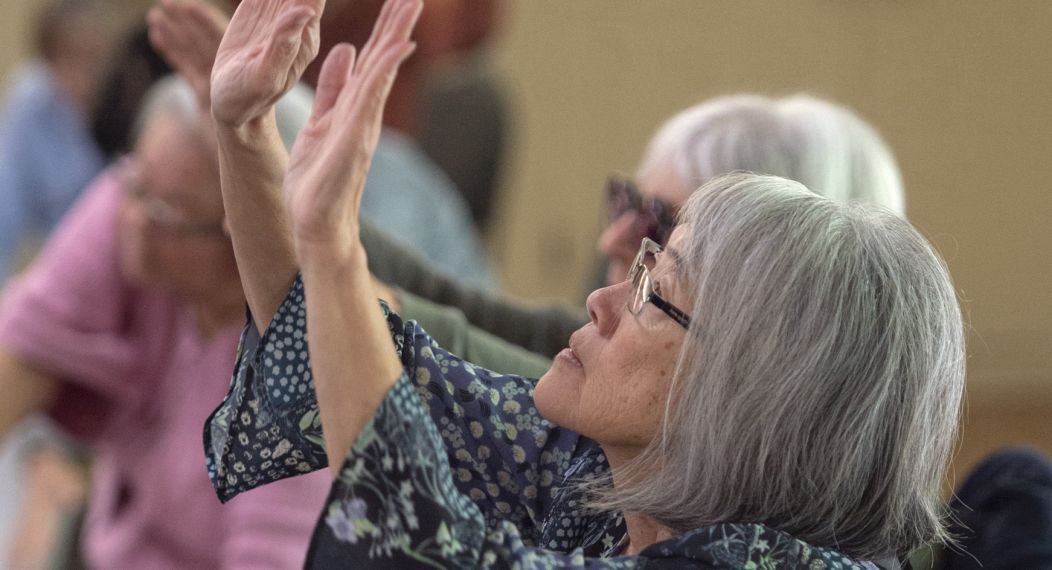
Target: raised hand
x,y
331,157
266,47
187,33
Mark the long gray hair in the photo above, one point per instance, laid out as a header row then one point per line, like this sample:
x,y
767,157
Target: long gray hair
x,y
819,387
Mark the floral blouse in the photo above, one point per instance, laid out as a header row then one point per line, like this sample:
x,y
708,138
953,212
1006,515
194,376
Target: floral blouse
x,y
455,470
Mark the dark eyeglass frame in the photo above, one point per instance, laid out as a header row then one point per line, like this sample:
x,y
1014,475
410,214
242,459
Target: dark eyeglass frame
x,y
643,286
655,218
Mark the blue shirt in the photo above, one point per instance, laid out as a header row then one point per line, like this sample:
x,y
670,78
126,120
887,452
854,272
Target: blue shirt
x,y
47,156
414,202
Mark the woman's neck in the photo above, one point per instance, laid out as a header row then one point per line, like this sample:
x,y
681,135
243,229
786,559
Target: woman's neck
x,y
642,532
642,529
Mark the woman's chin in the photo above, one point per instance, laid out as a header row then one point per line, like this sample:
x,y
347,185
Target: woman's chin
x,y
555,394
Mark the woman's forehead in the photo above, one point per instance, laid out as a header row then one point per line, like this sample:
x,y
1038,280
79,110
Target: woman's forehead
x,y
664,184
173,163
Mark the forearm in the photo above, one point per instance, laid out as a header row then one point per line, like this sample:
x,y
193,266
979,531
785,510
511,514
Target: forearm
x,y
252,162
25,390
354,364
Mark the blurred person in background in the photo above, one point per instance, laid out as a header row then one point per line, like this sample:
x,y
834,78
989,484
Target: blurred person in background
x,y
47,154
820,144
463,94
124,331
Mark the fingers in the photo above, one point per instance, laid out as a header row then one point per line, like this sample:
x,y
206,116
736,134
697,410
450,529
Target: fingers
x,y
187,32
332,79
285,43
181,43
372,77
391,45
386,11
208,20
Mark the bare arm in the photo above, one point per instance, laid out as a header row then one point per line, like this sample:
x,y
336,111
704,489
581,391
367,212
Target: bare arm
x,y
252,162
264,50
25,388
354,364
241,70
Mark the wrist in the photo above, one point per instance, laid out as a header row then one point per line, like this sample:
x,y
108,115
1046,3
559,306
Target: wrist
x,y
257,131
331,256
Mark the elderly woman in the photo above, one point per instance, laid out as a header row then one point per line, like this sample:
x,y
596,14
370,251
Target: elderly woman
x,y
124,331
779,386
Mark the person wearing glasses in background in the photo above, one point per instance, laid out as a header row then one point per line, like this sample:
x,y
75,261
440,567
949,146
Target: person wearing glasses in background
x,y
124,332
682,427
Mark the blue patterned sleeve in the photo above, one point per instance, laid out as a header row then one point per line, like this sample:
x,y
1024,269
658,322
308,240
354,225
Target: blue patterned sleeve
x,y
267,427
395,504
503,456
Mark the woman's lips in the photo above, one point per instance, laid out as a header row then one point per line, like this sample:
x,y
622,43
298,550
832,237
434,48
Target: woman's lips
x,y
570,356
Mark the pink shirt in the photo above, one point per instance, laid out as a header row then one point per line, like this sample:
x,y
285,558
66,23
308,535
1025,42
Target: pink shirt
x,y
139,382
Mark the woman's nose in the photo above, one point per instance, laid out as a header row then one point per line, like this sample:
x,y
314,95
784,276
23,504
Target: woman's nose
x,y
605,307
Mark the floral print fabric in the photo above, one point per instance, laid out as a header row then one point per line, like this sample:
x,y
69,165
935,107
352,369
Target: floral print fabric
x,y
456,469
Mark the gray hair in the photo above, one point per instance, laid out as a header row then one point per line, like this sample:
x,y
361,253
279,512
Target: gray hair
x,y
173,97
824,146
844,159
819,387
170,97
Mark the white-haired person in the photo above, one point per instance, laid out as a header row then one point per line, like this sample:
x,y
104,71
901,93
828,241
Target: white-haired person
x,y
824,146
123,331
778,386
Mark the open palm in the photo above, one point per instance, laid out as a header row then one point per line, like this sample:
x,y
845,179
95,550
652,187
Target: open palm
x,y
331,157
266,47
187,33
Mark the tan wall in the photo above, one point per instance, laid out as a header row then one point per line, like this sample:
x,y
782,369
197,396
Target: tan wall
x,y
960,89
14,34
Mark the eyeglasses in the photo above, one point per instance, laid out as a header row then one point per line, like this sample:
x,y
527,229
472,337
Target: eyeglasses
x,y
654,218
159,212
643,286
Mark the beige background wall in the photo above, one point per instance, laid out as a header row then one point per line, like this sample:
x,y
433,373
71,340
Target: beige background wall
x,y
960,90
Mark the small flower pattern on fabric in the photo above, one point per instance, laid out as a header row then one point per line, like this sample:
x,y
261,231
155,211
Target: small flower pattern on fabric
x,y
456,469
